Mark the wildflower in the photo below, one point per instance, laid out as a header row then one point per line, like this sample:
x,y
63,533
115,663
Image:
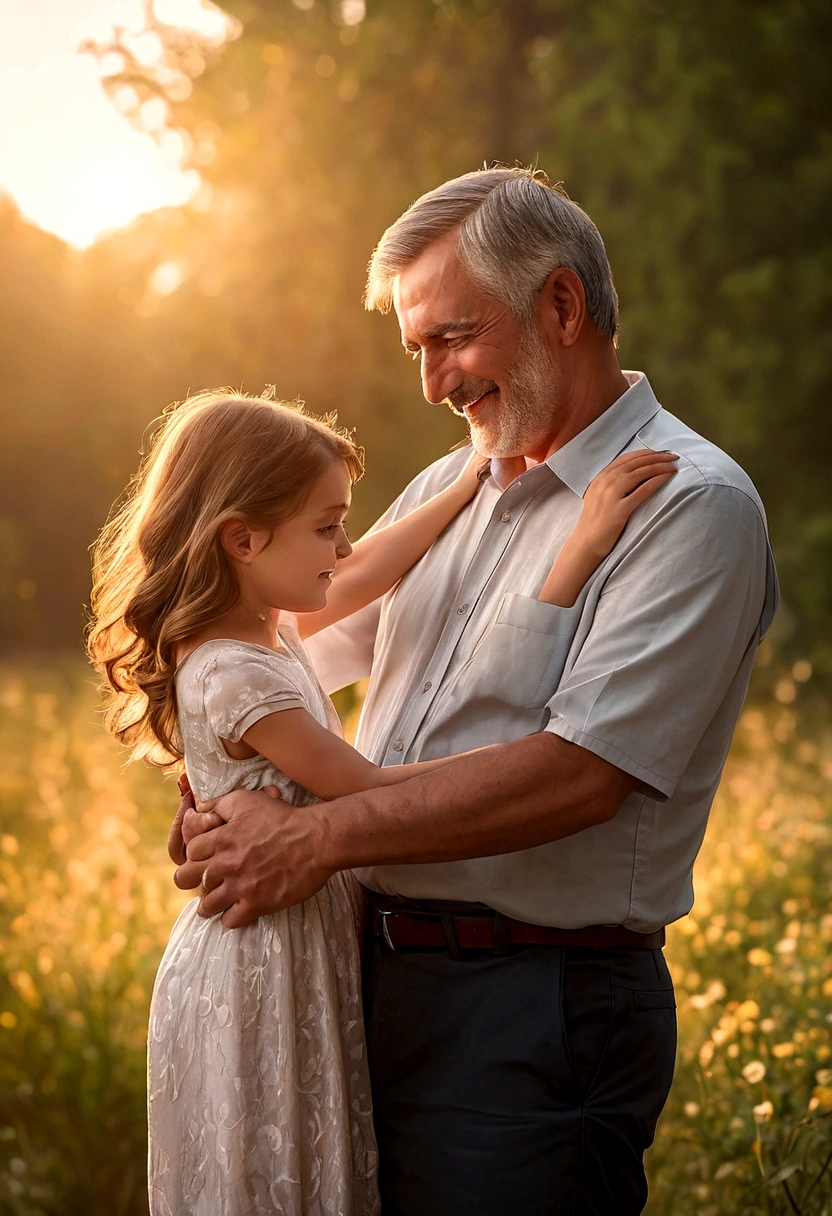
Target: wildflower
x,y
691,1109
822,1096
782,1050
758,957
754,1072
763,1112
706,1053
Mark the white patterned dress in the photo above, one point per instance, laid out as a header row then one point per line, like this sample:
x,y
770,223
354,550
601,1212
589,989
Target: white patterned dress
x,y
258,1090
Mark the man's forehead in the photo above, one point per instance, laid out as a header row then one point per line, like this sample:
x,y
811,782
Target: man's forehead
x,y
435,293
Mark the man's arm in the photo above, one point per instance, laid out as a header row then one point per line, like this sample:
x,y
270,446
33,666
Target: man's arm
x,y
514,796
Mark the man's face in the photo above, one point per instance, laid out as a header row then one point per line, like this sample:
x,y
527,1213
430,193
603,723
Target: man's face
x,y
477,356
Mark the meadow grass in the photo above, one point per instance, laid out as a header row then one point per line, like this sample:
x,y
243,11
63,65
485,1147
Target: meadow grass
x,y
88,902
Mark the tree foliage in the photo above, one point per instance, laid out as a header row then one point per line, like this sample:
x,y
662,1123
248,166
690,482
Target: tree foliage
x,y
697,136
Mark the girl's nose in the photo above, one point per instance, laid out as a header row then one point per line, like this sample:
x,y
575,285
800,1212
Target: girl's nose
x,y
343,547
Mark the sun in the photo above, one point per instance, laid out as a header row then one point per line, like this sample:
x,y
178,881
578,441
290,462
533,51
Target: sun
x,y
71,162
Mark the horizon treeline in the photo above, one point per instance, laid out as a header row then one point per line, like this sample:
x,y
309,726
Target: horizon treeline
x,y
698,137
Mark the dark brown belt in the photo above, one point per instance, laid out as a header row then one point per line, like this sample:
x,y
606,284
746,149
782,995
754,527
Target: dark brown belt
x,y
446,925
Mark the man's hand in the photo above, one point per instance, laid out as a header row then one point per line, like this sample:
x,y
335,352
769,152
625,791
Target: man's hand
x,y
188,823
263,857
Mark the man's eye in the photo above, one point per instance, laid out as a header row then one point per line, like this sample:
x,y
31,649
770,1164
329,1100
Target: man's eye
x,y
412,353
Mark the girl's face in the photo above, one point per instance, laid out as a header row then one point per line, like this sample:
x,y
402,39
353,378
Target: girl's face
x,y
294,569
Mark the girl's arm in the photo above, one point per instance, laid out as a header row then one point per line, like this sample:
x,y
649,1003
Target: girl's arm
x,y
379,560
320,761
609,502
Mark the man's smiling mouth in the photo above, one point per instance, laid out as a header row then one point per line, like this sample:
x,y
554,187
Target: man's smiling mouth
x,y
469,409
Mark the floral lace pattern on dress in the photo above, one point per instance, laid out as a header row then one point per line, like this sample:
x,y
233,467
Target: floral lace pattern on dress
x,y
258,1090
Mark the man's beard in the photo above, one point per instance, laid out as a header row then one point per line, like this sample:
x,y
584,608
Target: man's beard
x,y
522,420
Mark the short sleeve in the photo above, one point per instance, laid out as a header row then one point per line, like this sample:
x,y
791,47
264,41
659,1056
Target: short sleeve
x,y
243,686
676,621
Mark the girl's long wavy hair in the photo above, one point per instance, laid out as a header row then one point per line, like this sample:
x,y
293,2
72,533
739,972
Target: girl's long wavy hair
x,y
159,569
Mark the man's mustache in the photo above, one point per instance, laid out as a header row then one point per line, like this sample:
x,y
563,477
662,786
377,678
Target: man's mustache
x,y
467,394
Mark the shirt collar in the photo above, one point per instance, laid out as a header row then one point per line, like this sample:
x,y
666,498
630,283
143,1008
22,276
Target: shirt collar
x,y
578,461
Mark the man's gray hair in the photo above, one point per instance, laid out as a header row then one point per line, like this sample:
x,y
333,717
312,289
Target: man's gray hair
x,y
515,228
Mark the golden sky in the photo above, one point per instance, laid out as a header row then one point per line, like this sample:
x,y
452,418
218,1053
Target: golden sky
x,y
71,162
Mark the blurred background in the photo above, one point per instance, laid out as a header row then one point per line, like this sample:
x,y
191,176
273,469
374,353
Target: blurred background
x,y
189,195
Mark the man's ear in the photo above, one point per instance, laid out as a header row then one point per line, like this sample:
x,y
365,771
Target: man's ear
x,y
562,302
241,542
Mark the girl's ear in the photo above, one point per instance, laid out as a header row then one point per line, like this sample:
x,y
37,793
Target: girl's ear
x,y
241,542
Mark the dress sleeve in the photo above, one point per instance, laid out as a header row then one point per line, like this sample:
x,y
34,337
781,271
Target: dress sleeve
x,y
242,686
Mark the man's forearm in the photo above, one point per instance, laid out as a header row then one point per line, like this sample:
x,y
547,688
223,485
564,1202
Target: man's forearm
x,y
498,800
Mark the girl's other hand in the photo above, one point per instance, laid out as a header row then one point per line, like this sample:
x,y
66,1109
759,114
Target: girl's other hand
x,y
617,491
469,480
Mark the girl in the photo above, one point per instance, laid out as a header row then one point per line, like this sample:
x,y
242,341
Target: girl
x,y
228,551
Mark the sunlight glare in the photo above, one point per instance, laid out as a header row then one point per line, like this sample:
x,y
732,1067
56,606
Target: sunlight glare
x,y
70,160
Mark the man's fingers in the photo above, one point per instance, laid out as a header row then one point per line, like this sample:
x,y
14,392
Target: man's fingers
x,y
197,822
203,846
189,876
234,917
216,901
176,841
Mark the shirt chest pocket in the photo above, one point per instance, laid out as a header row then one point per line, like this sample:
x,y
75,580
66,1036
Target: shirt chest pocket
x,y
521,655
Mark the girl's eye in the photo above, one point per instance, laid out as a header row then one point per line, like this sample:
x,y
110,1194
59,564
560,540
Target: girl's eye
x,y
328,528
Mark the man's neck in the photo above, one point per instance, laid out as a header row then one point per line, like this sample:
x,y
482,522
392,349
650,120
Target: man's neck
x,y
593,385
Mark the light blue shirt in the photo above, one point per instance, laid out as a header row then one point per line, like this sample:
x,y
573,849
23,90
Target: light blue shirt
x,y
648,670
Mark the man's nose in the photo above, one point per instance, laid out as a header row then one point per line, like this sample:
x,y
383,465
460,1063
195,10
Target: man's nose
x,y
440,375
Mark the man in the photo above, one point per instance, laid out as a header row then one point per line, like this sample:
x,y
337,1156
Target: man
x,y
520,1015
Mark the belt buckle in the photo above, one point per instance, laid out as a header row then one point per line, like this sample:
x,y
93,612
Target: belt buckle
x,y
385,932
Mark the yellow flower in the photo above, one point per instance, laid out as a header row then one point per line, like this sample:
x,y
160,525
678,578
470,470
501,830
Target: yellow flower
x,y
754,1072
759,958
822,1095
763,1112
782,1050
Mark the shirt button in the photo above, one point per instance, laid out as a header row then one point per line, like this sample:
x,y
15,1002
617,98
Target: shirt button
x,y
427,684
398,745
462,609
506,516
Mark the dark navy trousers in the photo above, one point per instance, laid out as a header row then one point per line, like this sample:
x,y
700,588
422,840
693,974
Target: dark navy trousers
x,y
524,1084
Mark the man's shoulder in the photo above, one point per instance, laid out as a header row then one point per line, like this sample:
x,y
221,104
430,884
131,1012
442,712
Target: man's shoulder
x,y
702,464
433,479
